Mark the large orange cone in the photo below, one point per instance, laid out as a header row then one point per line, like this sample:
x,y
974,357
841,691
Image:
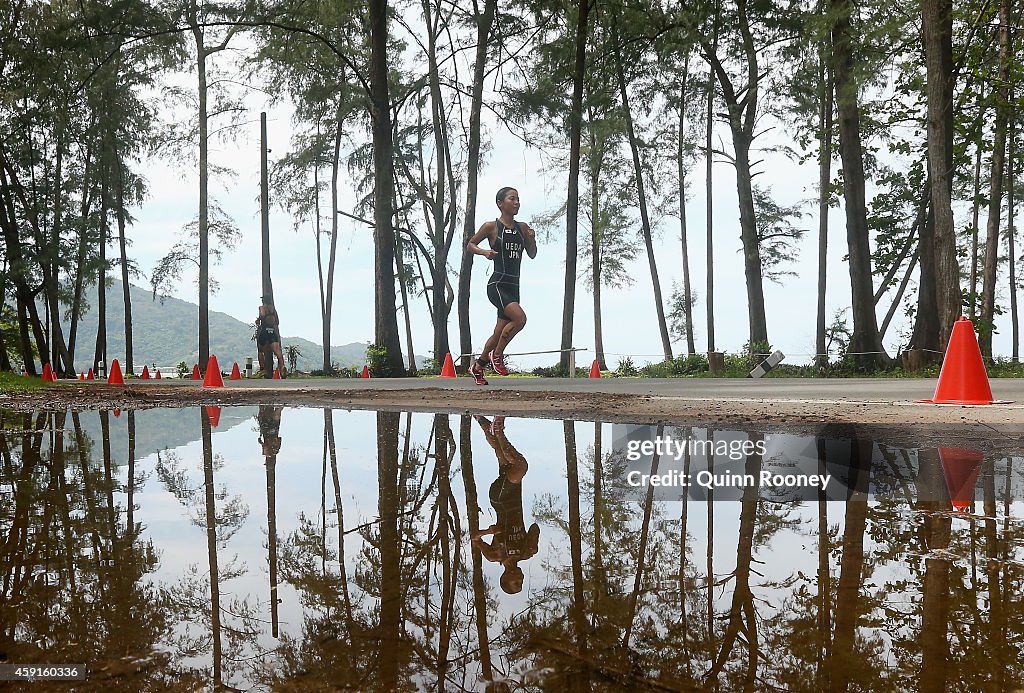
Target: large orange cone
x,y
235,373
213,413
213,377
366,372
48,373
91,376
157,374
145,373
448,370
960,467
595,370
115,377
962,379
195,372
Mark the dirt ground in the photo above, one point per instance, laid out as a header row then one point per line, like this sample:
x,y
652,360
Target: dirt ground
x,y
993,427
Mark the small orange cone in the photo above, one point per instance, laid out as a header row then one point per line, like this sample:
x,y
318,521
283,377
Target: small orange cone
x,y
91,375
145,373
595,370
81,376
48,372
960,467
157,374
115,374
448,371
277,374
366,372
962,379
117,412
195,372
213,377
235,373
213,414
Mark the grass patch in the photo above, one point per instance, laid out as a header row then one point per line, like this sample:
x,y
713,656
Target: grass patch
x,y
12,383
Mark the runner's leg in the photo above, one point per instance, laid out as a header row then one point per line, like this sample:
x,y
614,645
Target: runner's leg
x,y
515,325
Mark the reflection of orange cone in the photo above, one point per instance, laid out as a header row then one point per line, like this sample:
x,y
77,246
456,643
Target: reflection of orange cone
x,y
157,374
213,413
962,379
277,374
195,372
366,372
145,373
117,412
595,370
960,467
91,376
115,377
213,377
448,371
235,373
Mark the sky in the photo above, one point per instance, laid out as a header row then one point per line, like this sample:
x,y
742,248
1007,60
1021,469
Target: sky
x,y
629,317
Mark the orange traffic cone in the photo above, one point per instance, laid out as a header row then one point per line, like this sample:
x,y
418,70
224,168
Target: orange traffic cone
x,y
235,373
960,467
115,374
277,374
91,375
48,373
213,414
448,370
195,372
157,374
213,377
962,379
145,373
595,370
81,376
366,372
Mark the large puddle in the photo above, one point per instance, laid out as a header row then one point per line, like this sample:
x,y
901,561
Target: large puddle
x,y
308,549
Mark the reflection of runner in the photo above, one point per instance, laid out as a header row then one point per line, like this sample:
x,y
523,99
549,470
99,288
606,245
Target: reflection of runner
x,y
512,541
269,420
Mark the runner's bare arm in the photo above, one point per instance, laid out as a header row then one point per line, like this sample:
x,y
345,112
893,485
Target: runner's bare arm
x,y
529,240
487,231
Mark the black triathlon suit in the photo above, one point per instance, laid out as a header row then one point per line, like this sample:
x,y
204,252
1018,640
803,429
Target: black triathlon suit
x,y
503,286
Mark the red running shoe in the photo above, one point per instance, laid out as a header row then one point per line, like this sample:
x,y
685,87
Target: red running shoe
x,y
498,363
477,371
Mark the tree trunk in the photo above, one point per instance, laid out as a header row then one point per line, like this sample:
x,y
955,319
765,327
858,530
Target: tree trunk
x,y
989,271
385,315
937,25
211,545
572,208
327,307
129,358
204,192
976,208
100,353
595,158
83,237
825,125
659,305
865,344
684,246
708,195
926,325
484,23
267,283
1011,232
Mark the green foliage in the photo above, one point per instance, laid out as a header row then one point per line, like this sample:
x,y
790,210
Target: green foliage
x,y
377,360
183,370
12,383
692,364
292,352
626,368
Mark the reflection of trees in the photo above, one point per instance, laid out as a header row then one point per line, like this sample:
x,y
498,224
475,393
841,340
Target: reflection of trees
x,y
71,565
206,624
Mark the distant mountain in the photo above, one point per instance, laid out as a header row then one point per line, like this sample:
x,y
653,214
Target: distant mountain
x,y
165,332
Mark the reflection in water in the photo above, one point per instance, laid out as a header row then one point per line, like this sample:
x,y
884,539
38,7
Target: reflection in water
x,y
511,542
387,581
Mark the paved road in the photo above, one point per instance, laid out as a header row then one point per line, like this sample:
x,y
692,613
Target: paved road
x,y
826,389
